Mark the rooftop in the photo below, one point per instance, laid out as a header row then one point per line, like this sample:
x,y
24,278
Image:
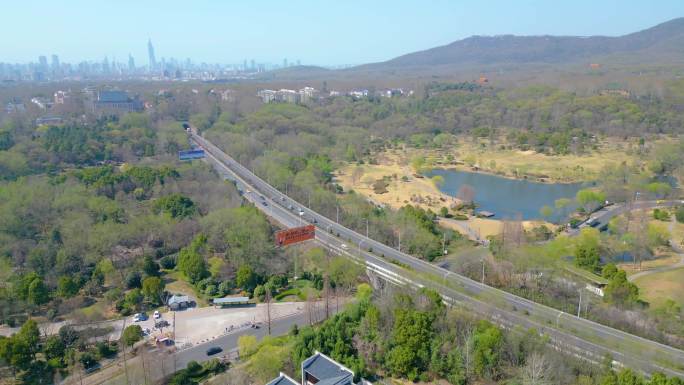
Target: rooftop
x,y
327,370
112,97
283,379
178,299
229,300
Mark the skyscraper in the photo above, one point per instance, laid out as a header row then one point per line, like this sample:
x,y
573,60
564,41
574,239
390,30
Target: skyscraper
x,y
131,62
42,60
285,63
150,53
55,63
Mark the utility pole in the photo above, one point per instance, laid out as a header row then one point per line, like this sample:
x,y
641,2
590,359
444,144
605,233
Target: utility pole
x,y
124,352
142,357
326,288
338,214
367,227
483,270
444,244
579,305
268,308
175,369
400,241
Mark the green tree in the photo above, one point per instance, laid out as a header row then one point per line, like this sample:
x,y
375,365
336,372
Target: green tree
x,y
411,339
150,266
546,211
679,214
620,291
590,199
191,261
67,286
38,293
487,348
176,205
245,278
54,348
134,298
131,335
587,249
152,289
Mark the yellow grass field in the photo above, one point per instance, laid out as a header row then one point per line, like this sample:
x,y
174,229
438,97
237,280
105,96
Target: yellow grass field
x,y
658,287
662,261
534,165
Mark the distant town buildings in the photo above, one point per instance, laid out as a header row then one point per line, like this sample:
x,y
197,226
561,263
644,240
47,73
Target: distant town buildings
x,y
358,93
307,94
310,94
113,102
41,102
62,97
283,95
267,96
49,120
15,106
156,69
226,95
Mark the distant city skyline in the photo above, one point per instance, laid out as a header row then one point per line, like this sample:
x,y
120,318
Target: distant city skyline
x,y
310,32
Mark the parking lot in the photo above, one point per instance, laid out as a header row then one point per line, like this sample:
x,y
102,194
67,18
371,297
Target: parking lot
x,y
197,325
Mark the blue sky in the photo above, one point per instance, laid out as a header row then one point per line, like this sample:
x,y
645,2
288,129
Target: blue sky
x,y
315,31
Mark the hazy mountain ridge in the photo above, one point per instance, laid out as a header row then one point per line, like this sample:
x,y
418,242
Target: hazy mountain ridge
x,y
664,41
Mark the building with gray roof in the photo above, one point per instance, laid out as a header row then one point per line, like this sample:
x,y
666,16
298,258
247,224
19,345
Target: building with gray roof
x,y
282,379
320,369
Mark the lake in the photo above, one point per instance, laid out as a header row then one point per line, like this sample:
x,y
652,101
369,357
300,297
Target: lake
x,y
506,197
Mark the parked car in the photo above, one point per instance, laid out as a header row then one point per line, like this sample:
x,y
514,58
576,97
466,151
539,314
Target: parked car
x,y
157,315
137,317
214,350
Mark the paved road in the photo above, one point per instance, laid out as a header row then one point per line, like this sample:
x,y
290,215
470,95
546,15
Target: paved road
x,y
577,336
229,342
602,217
160,363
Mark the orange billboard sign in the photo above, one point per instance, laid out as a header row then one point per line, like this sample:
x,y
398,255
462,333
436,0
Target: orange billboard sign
x,y
295,235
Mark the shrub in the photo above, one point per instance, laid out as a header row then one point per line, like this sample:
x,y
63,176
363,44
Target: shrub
x,y
661,215
168,262
679,214
133,280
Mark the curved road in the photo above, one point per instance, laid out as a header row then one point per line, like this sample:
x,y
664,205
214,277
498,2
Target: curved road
x,y
577,336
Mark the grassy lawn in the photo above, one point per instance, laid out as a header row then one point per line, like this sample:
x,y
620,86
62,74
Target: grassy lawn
x,y
661,261
299,291
95,312
657,287
565,168
176,284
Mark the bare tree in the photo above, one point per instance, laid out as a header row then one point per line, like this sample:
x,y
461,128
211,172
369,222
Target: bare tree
x,y
326,294
537,371
512,232
640,231
268,300
357,173
466,194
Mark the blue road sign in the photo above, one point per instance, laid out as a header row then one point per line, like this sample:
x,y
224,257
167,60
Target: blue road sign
x,y
191,154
